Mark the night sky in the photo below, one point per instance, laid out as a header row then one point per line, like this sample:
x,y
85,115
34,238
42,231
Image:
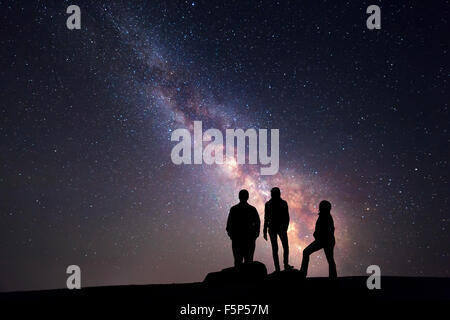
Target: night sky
x,y
86,176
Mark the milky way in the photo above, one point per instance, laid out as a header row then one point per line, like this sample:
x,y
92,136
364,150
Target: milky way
x,y
177,104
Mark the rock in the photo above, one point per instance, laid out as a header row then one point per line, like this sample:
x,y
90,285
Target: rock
x,y
248,272
286,276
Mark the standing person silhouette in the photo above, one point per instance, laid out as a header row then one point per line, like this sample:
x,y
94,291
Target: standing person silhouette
x,y
243,227
324,239
276,220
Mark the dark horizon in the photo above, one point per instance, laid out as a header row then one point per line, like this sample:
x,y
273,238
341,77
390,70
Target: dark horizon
x,y
324,277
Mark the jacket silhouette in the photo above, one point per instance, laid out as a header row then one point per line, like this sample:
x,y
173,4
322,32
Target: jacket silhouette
x,y
276,221
324,231
324,239
243,227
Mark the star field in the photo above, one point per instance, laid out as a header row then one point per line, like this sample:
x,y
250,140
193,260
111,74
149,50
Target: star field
x,y
86,118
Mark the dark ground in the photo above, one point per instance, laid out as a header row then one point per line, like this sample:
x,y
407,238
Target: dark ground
x,y
286,295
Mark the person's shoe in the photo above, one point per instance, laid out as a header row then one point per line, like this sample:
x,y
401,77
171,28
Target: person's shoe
x,y
302,274
288,267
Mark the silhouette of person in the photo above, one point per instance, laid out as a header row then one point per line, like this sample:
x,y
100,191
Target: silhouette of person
x,y
243,227
276,220
324,239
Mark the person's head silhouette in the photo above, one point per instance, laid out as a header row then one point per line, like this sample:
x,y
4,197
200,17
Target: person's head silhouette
x,y
243,195
324,206
275,193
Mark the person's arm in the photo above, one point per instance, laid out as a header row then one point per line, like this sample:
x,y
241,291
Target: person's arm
x,y
257,224
331,226
317,231
266,221
287,215
230,224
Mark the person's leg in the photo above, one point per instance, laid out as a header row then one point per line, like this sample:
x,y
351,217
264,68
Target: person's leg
x,y
285,243
250,251
330,258
313,247
274,241
237,252
245,250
